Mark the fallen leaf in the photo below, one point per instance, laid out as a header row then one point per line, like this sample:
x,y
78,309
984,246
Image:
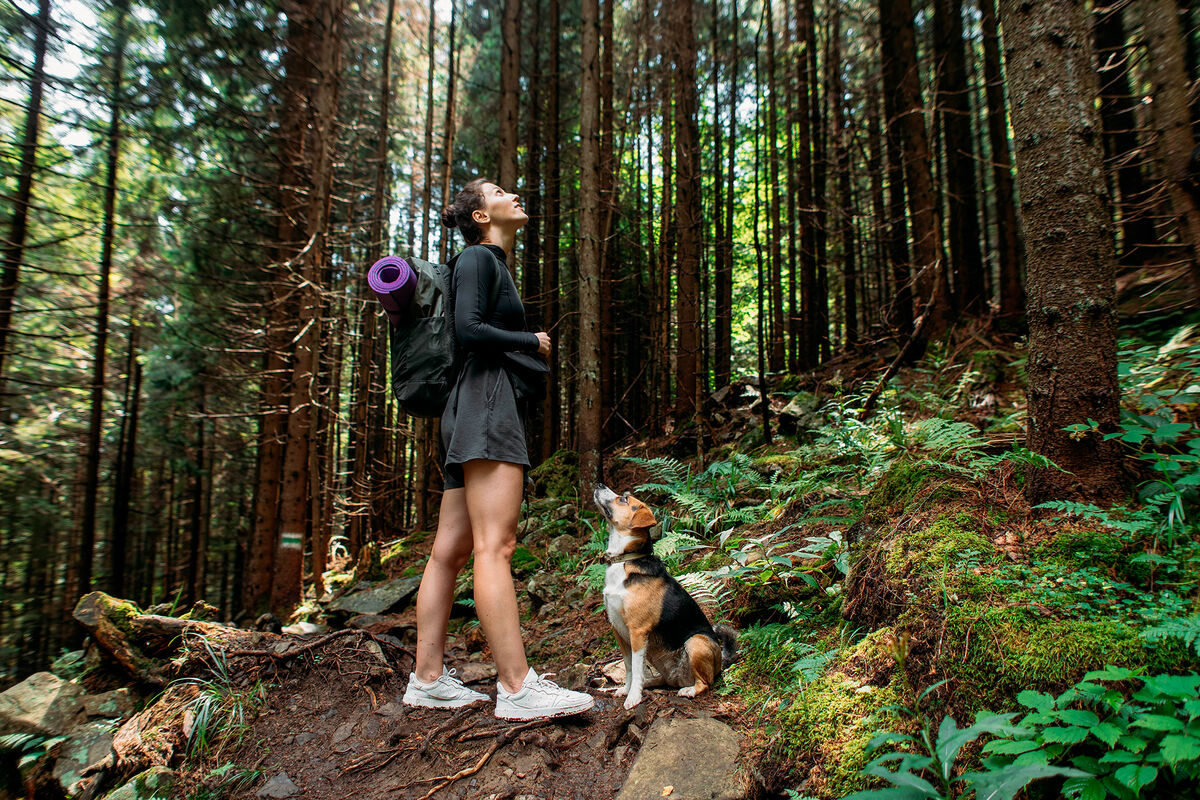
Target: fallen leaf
x,y
667,790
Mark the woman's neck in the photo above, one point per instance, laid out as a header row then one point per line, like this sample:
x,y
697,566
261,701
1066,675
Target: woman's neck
x,y
502,239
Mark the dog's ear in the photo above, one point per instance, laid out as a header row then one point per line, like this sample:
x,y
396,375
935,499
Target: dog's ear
x,y
643,518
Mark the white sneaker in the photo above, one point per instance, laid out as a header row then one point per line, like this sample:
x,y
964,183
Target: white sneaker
x,y
540,698
446,692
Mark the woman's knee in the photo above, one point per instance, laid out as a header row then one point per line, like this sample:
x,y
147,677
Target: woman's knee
x,y
498,547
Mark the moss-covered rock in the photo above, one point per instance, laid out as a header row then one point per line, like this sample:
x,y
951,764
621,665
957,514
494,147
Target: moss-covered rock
x,y
898,486
557,476
937,549
1075,544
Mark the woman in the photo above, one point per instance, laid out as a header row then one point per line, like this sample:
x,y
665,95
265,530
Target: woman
x,y
485,458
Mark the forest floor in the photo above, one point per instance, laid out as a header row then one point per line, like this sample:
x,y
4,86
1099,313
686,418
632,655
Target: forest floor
x,y
334,724
868,563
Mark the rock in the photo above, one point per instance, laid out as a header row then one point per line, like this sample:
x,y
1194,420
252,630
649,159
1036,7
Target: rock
x,y
43,703
474,672
379,599
563,545
574,677
390,709
668,758
543,587
615,672
279,786
303,628
116,704
305,738
565,511
343,732
154,782
86,745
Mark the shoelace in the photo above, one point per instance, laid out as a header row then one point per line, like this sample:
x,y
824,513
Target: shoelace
x,y
545,685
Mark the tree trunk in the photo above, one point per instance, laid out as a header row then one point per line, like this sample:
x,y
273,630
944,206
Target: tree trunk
x,y
845,215
588,408
427,186
760,323
776,359
1173,126
806,39
1121,146
550,290
314,36
531,266
1072,319
95,424
1010,252
14,252
365,396
124,469
723,301
448,130
195,582
687,209
897,32
954,112
510,69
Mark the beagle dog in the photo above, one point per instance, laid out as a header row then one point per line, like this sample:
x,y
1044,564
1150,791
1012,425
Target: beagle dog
x,y
654,617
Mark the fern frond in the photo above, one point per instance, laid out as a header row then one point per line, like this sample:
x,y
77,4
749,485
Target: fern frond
x,y
1185,628
705,588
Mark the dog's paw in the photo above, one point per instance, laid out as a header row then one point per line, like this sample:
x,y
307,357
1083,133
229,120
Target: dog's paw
x,y
632,700
687,691
621,691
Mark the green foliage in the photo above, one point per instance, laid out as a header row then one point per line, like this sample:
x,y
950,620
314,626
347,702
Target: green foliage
x,y
925,765
27,747
1143,744
221,709
1185,628
225,781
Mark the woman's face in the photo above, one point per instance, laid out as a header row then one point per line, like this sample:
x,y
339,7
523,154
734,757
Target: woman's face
x,y
500,208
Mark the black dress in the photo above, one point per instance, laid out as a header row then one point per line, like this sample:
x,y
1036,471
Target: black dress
x,y
482,417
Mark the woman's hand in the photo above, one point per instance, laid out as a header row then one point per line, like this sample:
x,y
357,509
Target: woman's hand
x,y
543,343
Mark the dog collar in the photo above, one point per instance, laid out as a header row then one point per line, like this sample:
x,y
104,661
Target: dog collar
x,y
621,559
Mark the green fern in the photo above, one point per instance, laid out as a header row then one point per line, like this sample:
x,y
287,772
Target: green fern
x,y
706,589
1185,628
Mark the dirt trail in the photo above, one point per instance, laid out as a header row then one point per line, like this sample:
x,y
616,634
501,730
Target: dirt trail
x,y
333,723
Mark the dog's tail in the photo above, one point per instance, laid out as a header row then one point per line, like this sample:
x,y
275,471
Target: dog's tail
x,y
727,636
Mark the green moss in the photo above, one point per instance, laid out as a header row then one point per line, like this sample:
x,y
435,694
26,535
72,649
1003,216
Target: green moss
x,y
898,486
1007,649
787,463
121,613
932,551
558,475
1072,544
830,723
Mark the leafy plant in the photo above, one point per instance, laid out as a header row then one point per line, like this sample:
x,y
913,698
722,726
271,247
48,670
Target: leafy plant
x,y
220,707
1146,745
926,766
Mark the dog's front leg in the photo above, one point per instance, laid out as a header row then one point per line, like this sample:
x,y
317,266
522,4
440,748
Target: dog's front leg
x,y
627,654
636,674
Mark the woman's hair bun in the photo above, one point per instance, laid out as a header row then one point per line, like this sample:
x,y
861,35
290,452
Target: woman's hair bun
x,y
448,218
458,213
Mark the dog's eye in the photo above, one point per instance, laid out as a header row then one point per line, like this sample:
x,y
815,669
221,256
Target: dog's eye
x,y
623,499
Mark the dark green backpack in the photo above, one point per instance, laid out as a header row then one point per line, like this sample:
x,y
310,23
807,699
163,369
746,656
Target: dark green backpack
x,y
424,354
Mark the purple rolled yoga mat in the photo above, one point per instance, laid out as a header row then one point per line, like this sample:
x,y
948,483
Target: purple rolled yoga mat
x,y
393,280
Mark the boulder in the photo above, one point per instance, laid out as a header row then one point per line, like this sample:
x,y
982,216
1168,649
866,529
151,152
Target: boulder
x,y
86,745
43,703
116,704
153,783
668,760
563,545
378,599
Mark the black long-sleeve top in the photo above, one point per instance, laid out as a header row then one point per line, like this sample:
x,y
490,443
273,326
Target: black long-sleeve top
x,y
476,271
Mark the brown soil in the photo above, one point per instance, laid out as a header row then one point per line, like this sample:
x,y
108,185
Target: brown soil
x,y
333,722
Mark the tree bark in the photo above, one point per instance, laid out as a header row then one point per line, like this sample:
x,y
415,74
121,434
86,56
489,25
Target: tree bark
x,y
687,210
1010,252
1121,147
124,467
776,359
954,112
427,185
95,424
314,36
1072,319
1173,126
510,68
14,252
588,408
896,21
551,426
845,215
809,347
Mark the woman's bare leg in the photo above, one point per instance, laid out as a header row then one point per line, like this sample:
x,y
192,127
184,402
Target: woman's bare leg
x,y
451,549
494,506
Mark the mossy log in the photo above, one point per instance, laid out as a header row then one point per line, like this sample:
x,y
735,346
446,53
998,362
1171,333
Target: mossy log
x,y
136,642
